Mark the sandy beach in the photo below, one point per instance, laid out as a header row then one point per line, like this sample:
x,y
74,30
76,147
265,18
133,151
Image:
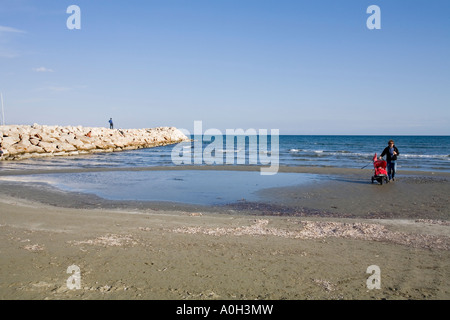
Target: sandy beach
x,y
225,151
312,241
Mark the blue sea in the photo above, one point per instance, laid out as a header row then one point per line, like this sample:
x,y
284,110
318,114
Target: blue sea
x,y
421,153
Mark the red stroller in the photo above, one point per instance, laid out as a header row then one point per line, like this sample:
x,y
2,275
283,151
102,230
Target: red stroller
x,y
380,172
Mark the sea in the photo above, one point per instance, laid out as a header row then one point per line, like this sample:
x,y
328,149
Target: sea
x,y
420,153
218,187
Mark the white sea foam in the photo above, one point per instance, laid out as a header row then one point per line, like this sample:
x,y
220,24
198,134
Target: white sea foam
x,y
427,156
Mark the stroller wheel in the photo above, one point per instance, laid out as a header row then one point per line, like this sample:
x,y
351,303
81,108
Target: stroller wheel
x,y
372,180
381,181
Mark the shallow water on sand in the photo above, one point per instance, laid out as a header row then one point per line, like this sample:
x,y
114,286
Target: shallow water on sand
x,y
207,187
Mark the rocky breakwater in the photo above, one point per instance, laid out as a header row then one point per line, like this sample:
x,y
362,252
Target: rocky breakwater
x,y
22,142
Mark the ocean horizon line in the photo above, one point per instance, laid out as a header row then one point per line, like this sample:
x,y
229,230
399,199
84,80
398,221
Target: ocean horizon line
x,y
349,135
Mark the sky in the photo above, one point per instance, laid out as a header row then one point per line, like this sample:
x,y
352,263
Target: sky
x,y
303,67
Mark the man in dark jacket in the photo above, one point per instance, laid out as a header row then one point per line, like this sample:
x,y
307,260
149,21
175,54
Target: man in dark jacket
x,y
391,153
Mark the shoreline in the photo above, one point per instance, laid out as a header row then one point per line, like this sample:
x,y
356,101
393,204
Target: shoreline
x,y
281,169
150,250
340,192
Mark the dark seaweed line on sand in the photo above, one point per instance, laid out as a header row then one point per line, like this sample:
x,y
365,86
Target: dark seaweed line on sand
x,y
266,209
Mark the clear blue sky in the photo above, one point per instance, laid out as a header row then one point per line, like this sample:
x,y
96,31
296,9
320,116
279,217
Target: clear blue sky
x,y
304,67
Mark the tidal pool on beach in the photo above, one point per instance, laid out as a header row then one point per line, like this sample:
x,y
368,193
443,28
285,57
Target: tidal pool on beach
x,y
201,187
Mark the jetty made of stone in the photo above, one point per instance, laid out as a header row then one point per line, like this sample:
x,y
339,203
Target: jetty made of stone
x,y
22,142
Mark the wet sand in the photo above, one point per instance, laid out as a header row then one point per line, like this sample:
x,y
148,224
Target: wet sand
x,y
308,242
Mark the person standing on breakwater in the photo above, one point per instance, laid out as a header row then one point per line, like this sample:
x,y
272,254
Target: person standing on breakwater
x,y
391,153
111,125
